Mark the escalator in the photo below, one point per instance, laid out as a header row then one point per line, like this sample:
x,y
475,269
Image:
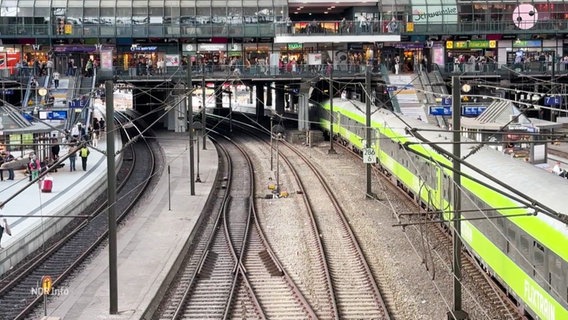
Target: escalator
x,y
81,100
435,85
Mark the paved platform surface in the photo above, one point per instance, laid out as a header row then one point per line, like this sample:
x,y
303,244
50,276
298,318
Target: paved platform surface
x,y
30,213
148,243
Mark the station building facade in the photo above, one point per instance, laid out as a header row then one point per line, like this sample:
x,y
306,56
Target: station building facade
x,y
177,31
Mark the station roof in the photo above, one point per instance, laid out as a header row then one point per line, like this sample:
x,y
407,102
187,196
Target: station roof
x,y
504,113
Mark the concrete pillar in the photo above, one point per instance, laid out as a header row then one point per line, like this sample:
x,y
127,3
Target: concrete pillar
x,y
218,95
279,98
259,101
268,94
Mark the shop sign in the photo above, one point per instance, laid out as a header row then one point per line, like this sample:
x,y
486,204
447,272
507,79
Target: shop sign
x,y
236,47
85,49
410,27
472,44
409,45
212,47
425,13
137,48
189,47
294,46
527,43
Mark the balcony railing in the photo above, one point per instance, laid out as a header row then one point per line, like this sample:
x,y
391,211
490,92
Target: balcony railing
x,y
493,68
220,72
305,28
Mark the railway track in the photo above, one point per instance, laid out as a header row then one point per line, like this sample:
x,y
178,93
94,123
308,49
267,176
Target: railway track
x,y
345,287
232,273
440,239
355,293
67,254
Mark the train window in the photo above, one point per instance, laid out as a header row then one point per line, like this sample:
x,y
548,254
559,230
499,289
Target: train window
x,y
555,278
523,256
538,254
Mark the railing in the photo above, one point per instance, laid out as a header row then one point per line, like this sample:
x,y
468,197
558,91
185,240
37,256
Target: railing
x,y
240,28
493,68
336,27
219,71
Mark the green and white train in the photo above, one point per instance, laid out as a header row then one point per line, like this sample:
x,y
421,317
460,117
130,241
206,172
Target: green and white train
x,y
527,255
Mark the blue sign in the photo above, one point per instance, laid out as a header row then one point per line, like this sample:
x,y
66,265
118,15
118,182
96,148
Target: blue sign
x,y
552,101
440,110
77,103
8,92
57,115
447,110
473,110
446,101
391,88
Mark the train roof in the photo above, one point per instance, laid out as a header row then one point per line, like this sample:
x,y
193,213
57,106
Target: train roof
x,y
537,183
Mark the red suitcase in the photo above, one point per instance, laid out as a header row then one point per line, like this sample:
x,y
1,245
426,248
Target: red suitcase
x,y
47,184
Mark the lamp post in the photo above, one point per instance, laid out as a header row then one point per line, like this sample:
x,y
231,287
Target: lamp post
x,y
197,126
278,130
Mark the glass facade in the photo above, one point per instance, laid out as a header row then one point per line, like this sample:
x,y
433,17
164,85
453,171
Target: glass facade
x,y
104,18
257,18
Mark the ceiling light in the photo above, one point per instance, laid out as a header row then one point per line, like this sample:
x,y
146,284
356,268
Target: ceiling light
x,y
333,7
325,12
296,12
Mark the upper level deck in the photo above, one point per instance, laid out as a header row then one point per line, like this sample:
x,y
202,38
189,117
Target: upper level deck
x,y
268,19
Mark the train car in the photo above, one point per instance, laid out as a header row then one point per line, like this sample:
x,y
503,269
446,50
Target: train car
x,y
526,252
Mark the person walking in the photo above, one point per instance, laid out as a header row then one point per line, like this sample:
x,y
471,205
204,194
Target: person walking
x,y
84,154
56,76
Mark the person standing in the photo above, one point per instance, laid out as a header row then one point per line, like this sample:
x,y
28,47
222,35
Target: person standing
x,y
8,158
72,159
49,67
84,154
2,161
55,148
34,167
396,64
56,76
4,227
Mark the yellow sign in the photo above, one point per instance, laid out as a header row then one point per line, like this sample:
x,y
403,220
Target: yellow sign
x,y
410,27
492,44
46,284
68,29
449,44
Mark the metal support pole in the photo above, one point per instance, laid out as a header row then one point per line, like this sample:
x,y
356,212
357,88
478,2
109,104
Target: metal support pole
x,y
457,313
111,196
271,146
203,120
278,164
331,149
230,112
190,130
552,84
198,178
368,138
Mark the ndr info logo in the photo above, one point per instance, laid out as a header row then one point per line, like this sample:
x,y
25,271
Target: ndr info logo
x,y
39,291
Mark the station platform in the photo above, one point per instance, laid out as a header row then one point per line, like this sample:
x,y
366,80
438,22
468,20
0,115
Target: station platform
x,y
71,193
148,243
